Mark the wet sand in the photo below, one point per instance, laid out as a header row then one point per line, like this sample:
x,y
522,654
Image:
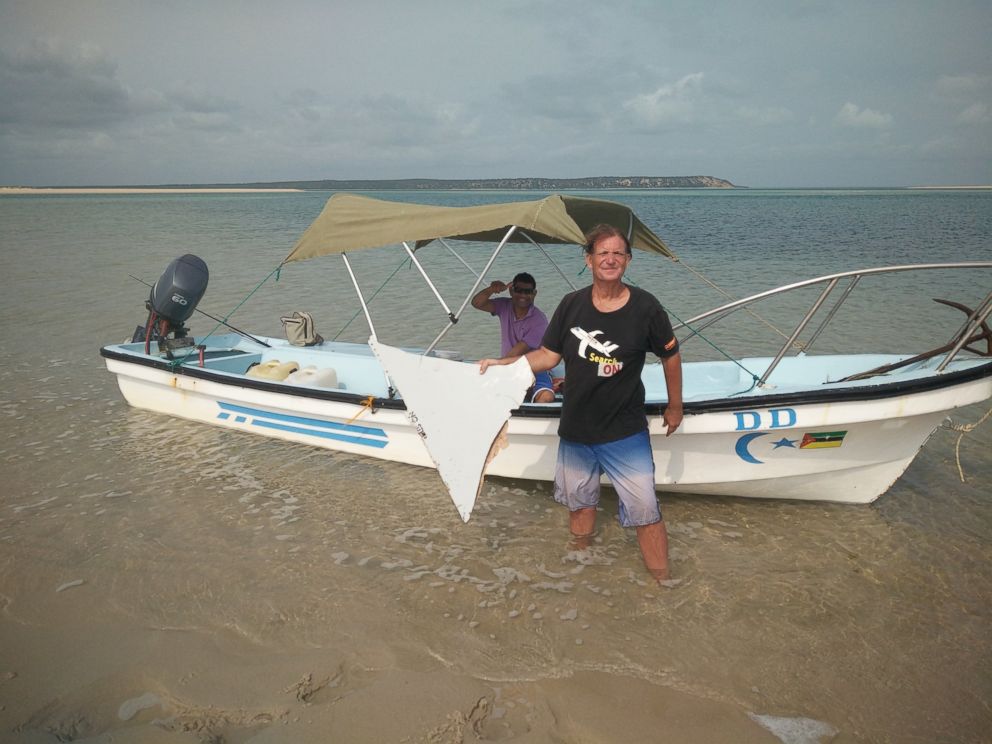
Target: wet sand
x,y
259,599
87,677
164,581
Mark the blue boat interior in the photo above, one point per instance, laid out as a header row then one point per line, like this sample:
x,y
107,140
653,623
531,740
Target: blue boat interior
x,y
356,370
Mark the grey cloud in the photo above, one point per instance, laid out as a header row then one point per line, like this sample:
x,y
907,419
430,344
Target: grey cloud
x,y
541,96
304,104
386,121
45,88
205,122
581,88
50,86
51,56
201,102
764,115
976,113
851,115
963,85
970,95
668,104
585,95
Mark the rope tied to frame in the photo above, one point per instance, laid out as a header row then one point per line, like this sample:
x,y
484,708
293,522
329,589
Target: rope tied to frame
x,y
750,311
754,378
178,362
405,261
366,405
963,429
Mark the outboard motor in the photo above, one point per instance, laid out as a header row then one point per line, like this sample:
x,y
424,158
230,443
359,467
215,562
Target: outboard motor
x,y
172,301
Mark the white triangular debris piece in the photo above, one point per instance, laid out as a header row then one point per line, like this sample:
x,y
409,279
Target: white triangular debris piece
x,y
459,413
796,730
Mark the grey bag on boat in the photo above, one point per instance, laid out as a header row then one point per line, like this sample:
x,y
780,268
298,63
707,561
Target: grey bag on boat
x,y
300,330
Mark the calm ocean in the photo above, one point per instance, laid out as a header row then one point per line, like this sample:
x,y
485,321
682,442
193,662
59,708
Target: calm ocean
x,y
875,620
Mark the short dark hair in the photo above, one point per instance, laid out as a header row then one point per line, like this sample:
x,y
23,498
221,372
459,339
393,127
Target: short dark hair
x,y
526,278
604,231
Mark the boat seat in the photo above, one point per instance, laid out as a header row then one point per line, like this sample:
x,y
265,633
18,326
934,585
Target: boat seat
x,y
326,377
273,370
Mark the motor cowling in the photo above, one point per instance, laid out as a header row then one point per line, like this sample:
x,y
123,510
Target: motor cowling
x,y
172,301
179,290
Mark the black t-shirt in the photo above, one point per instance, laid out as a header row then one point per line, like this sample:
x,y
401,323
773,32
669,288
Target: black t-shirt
x,y
604,355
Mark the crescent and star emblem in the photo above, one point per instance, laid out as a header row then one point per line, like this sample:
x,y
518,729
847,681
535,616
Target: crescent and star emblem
x,y
741,448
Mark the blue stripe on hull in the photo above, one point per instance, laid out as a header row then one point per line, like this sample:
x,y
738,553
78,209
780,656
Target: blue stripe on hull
x,y
379,443
350,433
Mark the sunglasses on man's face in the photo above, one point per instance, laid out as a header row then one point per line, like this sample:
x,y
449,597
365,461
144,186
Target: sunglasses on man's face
x,y
524,290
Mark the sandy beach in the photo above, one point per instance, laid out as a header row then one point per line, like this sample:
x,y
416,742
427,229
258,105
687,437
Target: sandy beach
x,y
30,191
88,676
982,187
163,581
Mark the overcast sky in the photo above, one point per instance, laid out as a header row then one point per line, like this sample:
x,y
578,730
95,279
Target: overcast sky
x,y
762,93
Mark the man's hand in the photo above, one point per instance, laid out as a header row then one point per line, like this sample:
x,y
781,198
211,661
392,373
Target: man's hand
x,y
539,361
673,381
485,364
483,298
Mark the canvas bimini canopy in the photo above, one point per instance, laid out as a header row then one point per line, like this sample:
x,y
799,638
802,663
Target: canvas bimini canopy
x,y
349,222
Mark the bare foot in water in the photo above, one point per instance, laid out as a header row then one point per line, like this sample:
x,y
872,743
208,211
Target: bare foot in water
x,y
664,577
581,542
660,575
653,541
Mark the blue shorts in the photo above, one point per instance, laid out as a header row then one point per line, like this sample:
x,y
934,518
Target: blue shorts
x,y
628,464
542,381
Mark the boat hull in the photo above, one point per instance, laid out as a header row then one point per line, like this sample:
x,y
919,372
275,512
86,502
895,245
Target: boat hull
x,y
775,446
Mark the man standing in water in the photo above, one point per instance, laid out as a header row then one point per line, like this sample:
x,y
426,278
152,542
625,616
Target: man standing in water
x,y
521,323
603,333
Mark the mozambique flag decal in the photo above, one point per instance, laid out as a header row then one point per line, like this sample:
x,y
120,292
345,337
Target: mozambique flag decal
x,y
822,439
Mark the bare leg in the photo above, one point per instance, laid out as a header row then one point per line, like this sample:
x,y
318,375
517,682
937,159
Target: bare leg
x,y
653,539
544,396
582,525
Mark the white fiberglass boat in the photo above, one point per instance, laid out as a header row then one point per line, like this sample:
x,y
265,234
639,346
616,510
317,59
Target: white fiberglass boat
x,y
832,427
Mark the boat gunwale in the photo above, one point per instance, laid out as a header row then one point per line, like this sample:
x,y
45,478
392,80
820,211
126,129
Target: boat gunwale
x,y
889,389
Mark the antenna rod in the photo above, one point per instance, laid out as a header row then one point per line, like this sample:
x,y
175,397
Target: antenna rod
x,y
212,317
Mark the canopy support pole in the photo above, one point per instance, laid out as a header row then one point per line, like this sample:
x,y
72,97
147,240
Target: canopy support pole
x,y
455,253
427,279
551,261
368,317
475,288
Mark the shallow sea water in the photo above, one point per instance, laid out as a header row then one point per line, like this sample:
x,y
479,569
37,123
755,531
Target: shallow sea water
x,y
873,620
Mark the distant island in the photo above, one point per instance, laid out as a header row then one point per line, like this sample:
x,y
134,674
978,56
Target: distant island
x,y
591,183
521,184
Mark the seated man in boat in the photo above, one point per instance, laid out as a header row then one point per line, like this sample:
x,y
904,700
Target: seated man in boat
x,y
522,325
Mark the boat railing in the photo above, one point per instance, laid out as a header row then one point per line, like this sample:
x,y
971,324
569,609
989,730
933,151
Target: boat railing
x,y
974,322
